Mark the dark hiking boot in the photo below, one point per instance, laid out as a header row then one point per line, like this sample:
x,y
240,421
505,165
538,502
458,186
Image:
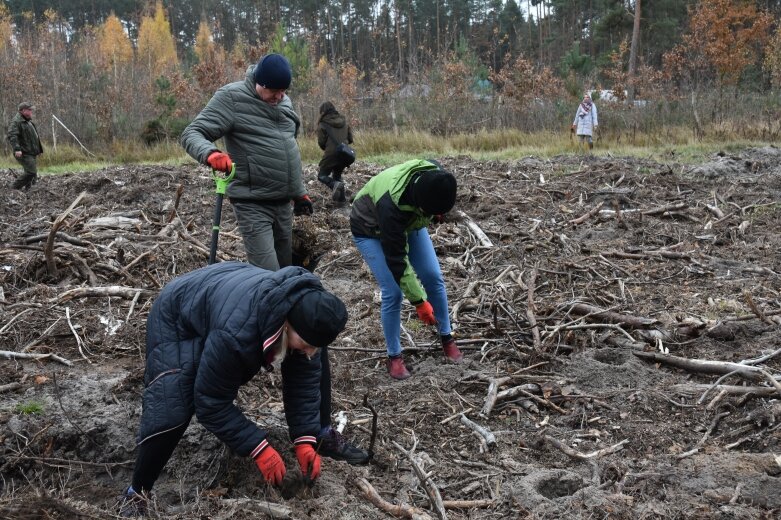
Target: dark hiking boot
x,y
397,369
452,353
132,505
338,193
334,446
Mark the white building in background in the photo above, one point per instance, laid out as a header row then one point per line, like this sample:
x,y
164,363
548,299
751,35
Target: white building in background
x,y
609,96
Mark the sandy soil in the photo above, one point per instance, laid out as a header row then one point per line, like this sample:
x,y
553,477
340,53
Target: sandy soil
x,y
592,420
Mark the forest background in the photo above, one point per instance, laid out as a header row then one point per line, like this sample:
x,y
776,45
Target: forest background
x,y
126,74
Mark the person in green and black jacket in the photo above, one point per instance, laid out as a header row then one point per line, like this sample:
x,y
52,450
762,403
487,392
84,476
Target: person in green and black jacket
x,y
389,220
23,138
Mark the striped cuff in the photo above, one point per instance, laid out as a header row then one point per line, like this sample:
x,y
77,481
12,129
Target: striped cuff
x,y
306,439
257,451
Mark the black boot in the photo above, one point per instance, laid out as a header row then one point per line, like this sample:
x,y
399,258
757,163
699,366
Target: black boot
x,y
334,446
338,192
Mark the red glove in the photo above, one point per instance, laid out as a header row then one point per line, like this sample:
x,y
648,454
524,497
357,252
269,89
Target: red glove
x,y
220,161
271,465
303,206
308,459
426,313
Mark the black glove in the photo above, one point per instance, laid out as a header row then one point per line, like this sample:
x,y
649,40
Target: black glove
x,y
303,206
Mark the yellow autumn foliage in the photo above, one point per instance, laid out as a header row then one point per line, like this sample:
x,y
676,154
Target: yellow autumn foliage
x,y
5,27
113,42
203,41
156,47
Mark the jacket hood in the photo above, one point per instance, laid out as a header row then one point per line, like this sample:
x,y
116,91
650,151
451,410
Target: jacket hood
x,y
334,120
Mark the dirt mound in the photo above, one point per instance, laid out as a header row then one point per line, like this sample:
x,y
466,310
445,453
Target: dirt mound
x,y
587,293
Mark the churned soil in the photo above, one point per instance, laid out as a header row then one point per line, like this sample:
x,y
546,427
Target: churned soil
x,y
619,317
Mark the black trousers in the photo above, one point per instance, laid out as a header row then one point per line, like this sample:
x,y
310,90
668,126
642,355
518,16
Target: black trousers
x,y
154,453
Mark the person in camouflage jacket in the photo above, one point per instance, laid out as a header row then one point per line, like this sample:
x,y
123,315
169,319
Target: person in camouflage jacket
x,y
23,138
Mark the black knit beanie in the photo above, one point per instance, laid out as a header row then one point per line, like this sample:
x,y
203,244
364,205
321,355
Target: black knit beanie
x,y
273,72
318,317
434,191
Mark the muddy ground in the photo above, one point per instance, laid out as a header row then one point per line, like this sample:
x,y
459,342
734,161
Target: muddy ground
x,y
575,286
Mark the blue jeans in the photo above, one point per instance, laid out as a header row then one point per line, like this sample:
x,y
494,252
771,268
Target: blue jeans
x,y
424,261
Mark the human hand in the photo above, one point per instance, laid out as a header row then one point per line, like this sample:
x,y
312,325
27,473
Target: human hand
x,y
308,460
220,161
303,206
18,154
271,466
426,313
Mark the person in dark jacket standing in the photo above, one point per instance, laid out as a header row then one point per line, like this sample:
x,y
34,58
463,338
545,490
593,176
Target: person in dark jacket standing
x,y
389,220
337,132
258,125
211,331
23,138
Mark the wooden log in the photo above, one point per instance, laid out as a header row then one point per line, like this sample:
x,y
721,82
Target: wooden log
x,y
570,452
485,433
665,209
715,211
475,229
628,320
9,354
425,480
692,389
467,504
48,250
590,213
10,387
397,510
111,290
516,391
113,222
530,284
703,366
490,398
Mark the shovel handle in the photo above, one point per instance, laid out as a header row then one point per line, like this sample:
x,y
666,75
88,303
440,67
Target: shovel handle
x,y
220,182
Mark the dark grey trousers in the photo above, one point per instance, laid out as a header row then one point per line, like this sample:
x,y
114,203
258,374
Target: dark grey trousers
x,y
267,230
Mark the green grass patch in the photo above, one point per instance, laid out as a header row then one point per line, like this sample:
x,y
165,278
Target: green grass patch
x,y
30,408
386,148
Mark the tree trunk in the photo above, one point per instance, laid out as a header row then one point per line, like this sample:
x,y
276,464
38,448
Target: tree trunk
x,y
633,54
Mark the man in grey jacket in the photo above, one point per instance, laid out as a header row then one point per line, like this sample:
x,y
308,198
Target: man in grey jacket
x,y
256,120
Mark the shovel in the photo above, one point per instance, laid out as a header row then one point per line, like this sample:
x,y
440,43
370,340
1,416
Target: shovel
x,y
221,184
